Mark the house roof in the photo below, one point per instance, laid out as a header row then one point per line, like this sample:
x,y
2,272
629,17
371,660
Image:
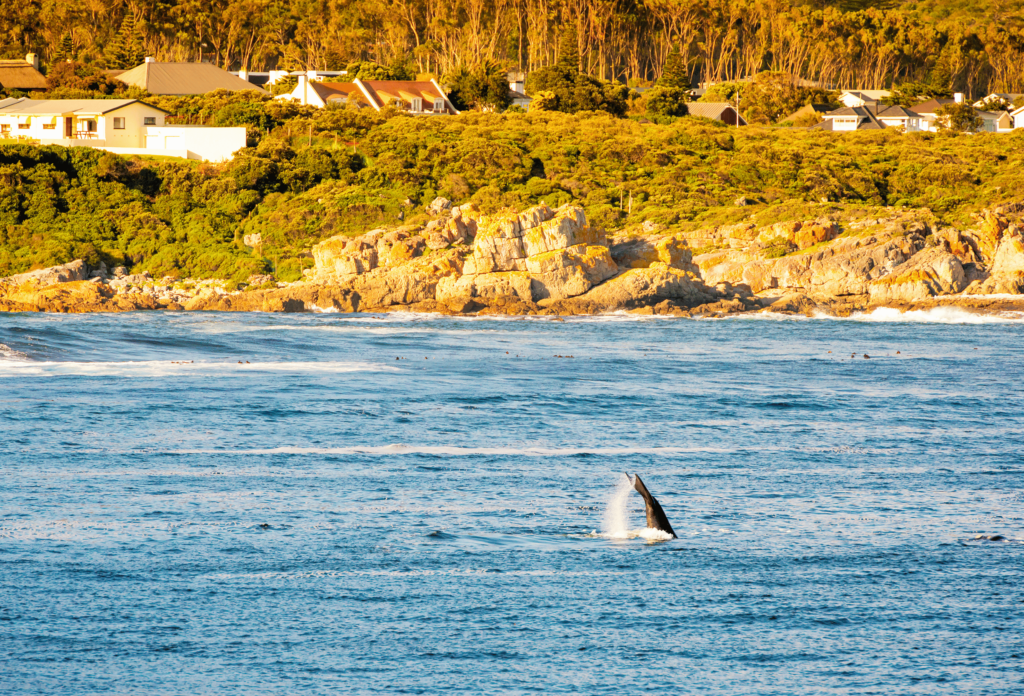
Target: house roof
x,y
808,109
712,110
932,105
61,107
868,94
184,78
867,116
331,91
386,91
1018,112
18,74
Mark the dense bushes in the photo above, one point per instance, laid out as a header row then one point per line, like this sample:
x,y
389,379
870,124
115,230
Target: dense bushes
x,y
344,171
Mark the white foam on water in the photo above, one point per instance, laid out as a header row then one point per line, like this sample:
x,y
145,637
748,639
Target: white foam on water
x,y
936,315
459,451
164,368
8,354
653,534
615,524
322,310
881,315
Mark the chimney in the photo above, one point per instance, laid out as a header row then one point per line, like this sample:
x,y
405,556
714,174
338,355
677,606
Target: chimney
x,y
304,85
33,60
958,97
149,59
244,74
517,86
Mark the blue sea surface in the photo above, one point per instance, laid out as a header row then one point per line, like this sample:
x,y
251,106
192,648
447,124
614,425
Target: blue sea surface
x,y
207,503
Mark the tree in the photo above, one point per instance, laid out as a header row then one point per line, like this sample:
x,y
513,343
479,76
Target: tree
x,y
665,101
675,76
65,49
573,90
913,93
128,48
957,117
483,87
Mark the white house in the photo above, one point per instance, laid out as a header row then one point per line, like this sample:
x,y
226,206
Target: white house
x,y
124,126
1008,97
870,117
992,122
862,97
416,97
1018,118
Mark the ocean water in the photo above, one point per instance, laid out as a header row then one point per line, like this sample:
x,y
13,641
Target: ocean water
x,y
321,503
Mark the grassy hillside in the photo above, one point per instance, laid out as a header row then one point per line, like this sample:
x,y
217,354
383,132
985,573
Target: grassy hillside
x,y
344,172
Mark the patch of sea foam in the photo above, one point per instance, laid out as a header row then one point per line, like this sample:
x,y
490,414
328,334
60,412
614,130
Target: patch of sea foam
x,y
8,354
386,450
164,368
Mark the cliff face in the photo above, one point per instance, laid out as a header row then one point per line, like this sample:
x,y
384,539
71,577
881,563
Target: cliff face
x,y
544,261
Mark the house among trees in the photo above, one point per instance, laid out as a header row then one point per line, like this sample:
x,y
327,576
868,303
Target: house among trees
x,y
177,79
716,111
872,116
22,75
991,122
123,126
412,96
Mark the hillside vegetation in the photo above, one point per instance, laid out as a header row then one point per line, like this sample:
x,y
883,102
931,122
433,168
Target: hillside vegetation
x,y
317,174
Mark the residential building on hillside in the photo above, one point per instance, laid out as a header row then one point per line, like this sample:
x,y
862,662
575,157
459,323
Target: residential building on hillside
x,y
872,116
415,97
1018,118
179,79
716,111
124,126
272,77
1009,97
22,75
863,97
992,122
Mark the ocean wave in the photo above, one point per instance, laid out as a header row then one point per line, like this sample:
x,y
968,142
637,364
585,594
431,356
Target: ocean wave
x,y
882,315
937,315
387,450
8,354
163,368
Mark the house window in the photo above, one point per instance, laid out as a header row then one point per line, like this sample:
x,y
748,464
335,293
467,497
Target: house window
x,y
24,126
149,121
50,126
118,123
438,105
90,126
417,105
5,128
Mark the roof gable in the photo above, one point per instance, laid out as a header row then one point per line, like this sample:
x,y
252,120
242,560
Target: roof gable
x,y
184,78
59,107
17,74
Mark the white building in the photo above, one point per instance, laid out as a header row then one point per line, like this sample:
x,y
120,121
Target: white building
x,y
124,126
862,97
1018,118
414,96
871,117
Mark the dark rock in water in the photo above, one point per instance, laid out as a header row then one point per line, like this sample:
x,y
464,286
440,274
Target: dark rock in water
x,y
990,537
264,526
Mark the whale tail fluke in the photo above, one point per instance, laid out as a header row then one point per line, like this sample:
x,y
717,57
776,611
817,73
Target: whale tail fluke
x,y
656,517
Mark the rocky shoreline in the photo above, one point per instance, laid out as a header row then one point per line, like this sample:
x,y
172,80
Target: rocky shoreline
x,y
551,262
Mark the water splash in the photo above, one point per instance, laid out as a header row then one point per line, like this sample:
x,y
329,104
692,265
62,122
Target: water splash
x,y
615,524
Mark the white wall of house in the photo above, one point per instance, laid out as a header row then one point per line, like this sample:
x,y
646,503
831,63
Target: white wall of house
x,y
204,142
120,128
845,123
